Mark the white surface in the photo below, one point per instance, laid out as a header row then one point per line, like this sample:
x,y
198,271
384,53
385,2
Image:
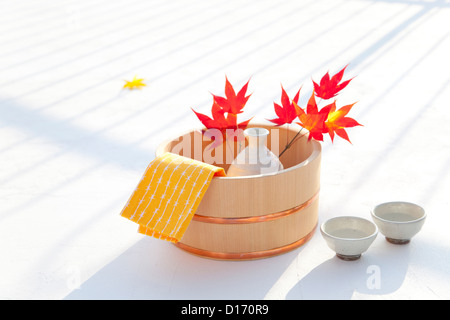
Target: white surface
x,y
73,145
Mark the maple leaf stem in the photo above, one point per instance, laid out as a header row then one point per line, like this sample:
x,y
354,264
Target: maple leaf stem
x,y
296,139
290,143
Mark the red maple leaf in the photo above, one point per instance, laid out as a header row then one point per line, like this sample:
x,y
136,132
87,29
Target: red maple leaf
x,y
329,88
288,111
233,103
337,121
222,123
313,120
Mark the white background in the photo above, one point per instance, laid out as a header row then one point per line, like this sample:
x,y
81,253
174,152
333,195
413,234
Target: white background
x,y
73,144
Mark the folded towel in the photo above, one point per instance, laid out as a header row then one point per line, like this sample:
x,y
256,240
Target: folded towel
x,y
168,195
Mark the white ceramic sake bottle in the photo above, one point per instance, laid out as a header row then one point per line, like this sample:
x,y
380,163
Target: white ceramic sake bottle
x,y
256,158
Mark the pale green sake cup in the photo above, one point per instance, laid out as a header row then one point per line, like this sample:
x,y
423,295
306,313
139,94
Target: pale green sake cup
x,y
349,236
398,221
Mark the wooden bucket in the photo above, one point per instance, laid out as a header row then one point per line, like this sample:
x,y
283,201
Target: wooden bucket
x,y
252,217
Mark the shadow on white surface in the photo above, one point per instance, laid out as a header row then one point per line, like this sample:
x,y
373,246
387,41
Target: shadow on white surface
x,y
375,273
152,269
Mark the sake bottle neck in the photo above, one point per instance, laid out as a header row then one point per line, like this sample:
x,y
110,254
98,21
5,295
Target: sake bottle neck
x,y
257,137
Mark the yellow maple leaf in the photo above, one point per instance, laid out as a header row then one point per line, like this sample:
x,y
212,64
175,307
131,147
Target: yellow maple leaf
x,y
134,84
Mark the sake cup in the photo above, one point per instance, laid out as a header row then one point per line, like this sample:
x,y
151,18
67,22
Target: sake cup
x,y
349,236
398,221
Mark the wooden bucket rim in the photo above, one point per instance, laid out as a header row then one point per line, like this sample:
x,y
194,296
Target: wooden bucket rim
x,y
316,150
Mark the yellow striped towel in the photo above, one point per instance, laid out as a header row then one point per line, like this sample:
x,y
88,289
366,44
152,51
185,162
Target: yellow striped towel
x,y
168,195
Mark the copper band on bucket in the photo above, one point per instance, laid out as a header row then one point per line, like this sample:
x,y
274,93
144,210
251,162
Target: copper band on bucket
x,y
246,255
253,219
